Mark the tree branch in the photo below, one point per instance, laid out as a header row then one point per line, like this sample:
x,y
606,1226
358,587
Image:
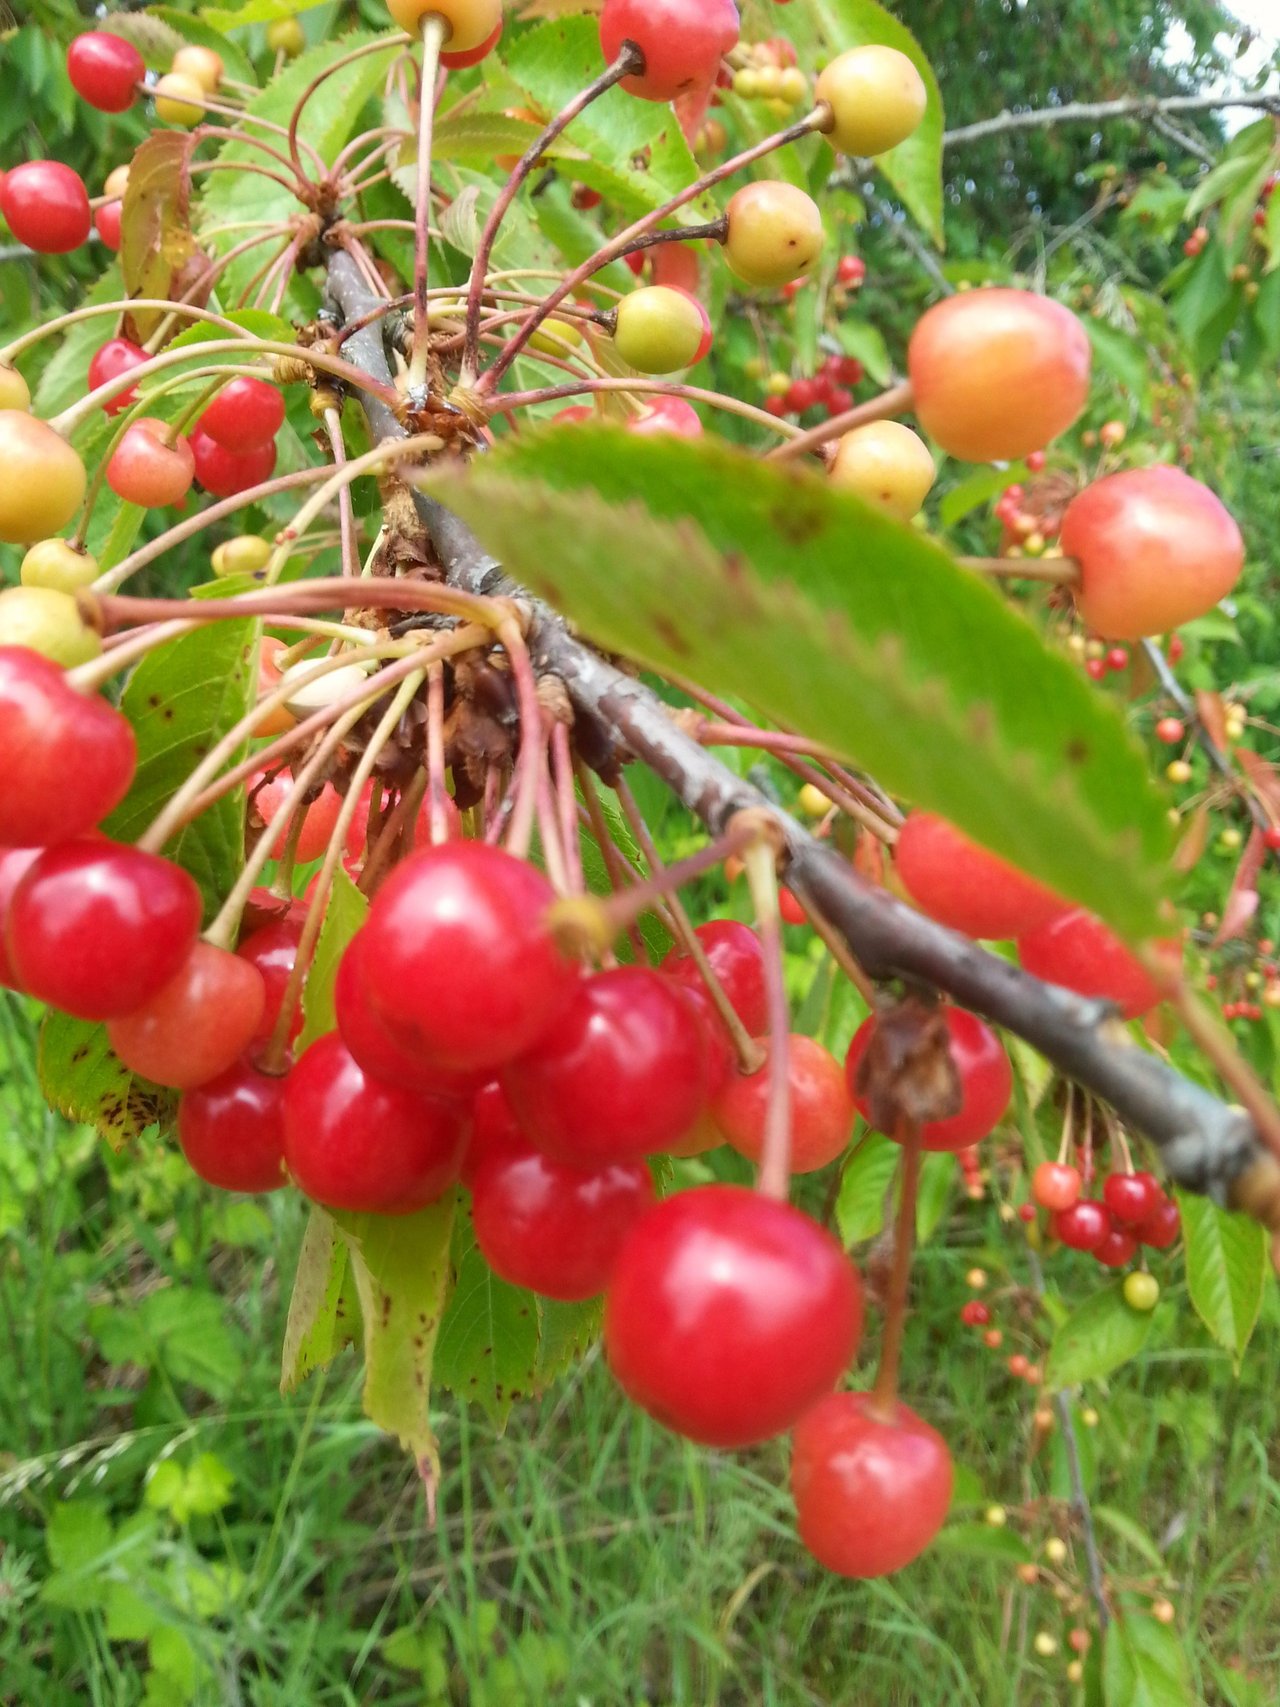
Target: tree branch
x,y
1206,1145
1097,112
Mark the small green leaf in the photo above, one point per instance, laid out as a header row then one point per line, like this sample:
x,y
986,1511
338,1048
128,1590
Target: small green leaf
x,y
764,583
323,1316
344,915
937,1172
566,1330
181,699
1132,1533
977,489
488,1346
86,1082
400,1264
865,1186
1227,1270
77,1534
1096,1339
983,1541
1144,1664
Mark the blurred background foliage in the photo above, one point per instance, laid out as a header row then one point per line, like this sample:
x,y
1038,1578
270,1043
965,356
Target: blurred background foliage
x,y
172,1531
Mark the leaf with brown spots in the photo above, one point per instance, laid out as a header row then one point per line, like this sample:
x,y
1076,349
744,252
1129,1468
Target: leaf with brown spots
x,y
84,1080
156,240
488,1348
400,1265
324,1314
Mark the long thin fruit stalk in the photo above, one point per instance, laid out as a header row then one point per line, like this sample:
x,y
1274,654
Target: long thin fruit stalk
x,y
433,37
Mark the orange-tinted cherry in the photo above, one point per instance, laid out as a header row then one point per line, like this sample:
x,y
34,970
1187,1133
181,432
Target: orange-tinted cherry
x,y
622,1074
352,1142
232,1129
472,56
197,1025
821,1107
986,1081
1056,1185
50,734
729,1314
97,928
871,1492
146,469
554,1229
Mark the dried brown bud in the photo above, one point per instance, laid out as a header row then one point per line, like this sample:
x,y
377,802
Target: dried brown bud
x,y
907,1075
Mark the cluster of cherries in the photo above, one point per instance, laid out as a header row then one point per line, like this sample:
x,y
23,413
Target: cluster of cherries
x,y
1132,1210
829,388
229,448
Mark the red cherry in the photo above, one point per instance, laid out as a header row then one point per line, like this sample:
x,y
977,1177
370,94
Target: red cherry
x,y
1056,1185
245,415
472,56
737,959
146,469
1036,460
1131,1197
13,868
1117,1248
372,1046
1271,837
683,42
1155,549
676,265
1084,1226
574,416
1018,1366
1117,658
622,1074
790,908
232,1130
49,735
960,884
663,415
804,394
986,1081
104,70
107,219
1161,1227
728,1314
821,1107
1077,951
273,949
109,361
851,270
1170,730
871,1492
555,1229
197,1025
226,472
495,1132
97,928
351,1142
47,206
975,1314
467,972
318,821
1095,669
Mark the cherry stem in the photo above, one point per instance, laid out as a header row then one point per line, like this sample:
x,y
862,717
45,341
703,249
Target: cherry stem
x,y
897,400
397,828
275,1054
884,1395
488,381
774,1177
432,28
1058,571
73,417
436,791
126,306
619,868
751,1056
382,45
567,803
529,758
629,59
549,818
837,947
626,906
346,510
666,388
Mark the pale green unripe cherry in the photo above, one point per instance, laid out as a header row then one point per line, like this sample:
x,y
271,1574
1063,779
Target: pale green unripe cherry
x,y
774,233
286,36
244,555
47,622
324,691
57,564
888,465
1141,1291
660,330
877,99
556,337
14,392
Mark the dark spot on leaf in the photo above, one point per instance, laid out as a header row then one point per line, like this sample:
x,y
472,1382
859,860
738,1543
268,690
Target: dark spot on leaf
x,y
668,632
1077,752
81,1054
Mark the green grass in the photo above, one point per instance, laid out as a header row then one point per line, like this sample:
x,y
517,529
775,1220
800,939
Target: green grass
x,y
173,1531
